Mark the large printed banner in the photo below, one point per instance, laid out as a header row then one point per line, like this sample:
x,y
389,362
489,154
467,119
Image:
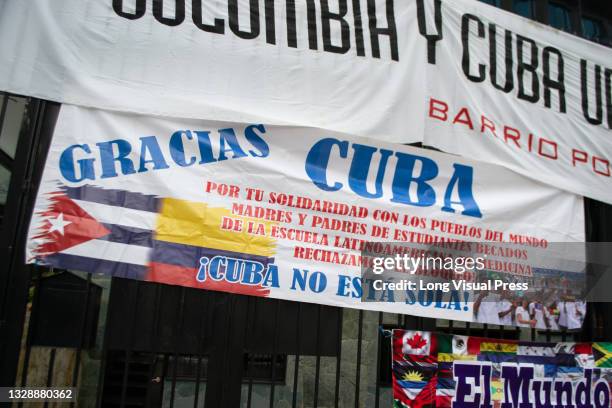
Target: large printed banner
x,y
349,66
282,212
457,74
442,370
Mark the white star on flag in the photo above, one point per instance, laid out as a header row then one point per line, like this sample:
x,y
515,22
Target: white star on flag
x,y
58,224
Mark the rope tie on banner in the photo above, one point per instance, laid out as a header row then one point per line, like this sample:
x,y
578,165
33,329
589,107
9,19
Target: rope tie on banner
x,y
385,332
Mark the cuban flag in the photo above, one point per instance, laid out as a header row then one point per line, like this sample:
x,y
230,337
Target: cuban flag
x,y
97,230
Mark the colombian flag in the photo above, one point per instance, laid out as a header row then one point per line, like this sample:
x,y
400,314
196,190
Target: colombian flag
x,y
187,231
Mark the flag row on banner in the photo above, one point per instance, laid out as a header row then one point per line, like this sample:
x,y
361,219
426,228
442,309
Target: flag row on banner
x,y
443,370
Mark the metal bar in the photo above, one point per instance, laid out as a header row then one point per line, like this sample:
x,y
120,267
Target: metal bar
x,y
156,336
358,369
3,110
50,373
231,301
6,160
468,328
51,367
104,353
486,329
247,326
274,350
128,352
203,296
338,357
28,350
77,359
250,375
297,358
318,358
380,338
250,368
501,331
579,28
126,365
165,366
533,334
177,330
237,344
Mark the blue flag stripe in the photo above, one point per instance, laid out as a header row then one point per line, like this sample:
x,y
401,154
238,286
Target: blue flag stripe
x,y
189,256
92,265
128,235
117,198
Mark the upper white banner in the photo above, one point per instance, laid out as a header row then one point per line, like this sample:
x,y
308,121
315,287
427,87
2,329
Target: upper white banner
x,y
457,74
324,64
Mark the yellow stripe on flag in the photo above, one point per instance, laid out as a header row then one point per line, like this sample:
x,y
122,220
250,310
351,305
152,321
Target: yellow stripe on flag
x,y
449,357
197,224
498,347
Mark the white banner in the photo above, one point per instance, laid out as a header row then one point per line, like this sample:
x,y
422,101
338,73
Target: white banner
x,y
457,74
505,90
274,211
282,62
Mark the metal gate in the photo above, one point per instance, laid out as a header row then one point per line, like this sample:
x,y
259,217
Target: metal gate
x,y
128,343
170,346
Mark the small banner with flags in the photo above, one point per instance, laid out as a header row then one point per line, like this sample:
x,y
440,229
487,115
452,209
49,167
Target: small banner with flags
x,y
444,370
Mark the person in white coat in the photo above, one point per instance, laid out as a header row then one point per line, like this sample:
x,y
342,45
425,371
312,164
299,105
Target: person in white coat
x,y
522,317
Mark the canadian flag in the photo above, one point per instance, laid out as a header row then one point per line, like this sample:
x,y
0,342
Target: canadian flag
x,y
65,225
416,343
